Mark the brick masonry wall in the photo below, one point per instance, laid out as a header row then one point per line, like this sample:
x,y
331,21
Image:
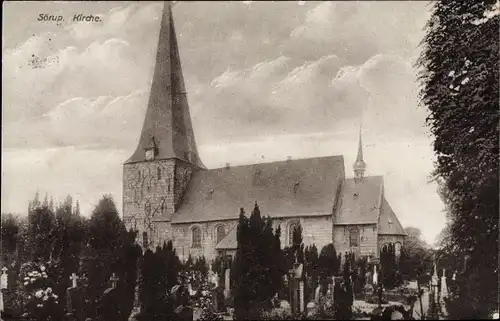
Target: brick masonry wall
x,y
367,239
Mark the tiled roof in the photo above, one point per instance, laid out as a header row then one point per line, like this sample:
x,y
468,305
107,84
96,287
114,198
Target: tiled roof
x,y
388,223
230,242
360,201
302,187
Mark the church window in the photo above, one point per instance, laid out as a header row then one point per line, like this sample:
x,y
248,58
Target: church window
x,y
220,233
145,239
353,237
158,171
196,237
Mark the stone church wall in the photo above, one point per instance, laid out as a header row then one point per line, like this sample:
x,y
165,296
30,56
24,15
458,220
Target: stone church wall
x,y
182,238
367,239
152,187
383,239
315,230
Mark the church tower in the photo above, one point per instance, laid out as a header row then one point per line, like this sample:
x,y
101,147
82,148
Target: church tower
x,y
156,175
359,165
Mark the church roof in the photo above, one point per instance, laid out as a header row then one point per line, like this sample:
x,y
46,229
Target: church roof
x,y
230,242
388,223
360,201
167,125
301,187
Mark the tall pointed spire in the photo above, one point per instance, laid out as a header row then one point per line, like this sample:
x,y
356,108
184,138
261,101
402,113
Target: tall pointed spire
x,y
359,165
167,131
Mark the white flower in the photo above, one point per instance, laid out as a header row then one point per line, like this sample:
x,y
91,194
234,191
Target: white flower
x,y
39,293
452,73
26,283
45,298
26,278
40,305
457,88
48,291
471,129
30,273
42,268
55,296
32,280
466,80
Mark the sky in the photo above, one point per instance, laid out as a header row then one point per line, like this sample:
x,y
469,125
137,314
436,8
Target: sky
x,y
265,81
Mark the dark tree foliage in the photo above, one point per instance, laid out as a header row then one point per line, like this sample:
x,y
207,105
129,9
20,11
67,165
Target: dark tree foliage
x,y
311,267
388,266
41,233
328,261
109,249
10,237
459,76
256,273
416,255
155,302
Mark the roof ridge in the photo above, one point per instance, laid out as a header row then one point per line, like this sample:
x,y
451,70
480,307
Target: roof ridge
x,y
280,161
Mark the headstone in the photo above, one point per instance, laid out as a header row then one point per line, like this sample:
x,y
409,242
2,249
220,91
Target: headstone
x,y
227,283
444,286
375,275
74,301
301,296
3,286
317,294
109,305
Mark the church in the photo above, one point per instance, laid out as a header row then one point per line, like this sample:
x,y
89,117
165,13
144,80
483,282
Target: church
x,y
168,194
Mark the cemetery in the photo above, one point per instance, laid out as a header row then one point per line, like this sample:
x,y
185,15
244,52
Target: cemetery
x,y
95,270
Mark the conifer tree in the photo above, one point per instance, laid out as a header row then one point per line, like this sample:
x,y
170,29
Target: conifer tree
x,y
106,252
255,278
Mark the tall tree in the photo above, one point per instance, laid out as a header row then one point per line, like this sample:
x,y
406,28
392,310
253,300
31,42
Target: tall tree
x,y
460,86
107,251
416,255
255,272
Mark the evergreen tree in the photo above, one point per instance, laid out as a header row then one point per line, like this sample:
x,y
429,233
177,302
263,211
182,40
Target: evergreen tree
x,y
460,88
328,262
156,305
10,238
255,272
107,251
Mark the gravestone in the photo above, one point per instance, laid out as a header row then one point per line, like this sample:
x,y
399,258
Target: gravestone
x,y
109,306
74,301
227,283
3,285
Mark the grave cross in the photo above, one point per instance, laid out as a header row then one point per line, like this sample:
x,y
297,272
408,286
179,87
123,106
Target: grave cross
x,y
114,280
73,278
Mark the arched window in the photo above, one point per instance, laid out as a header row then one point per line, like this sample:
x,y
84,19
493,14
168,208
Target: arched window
x,y
196,237
384,247
220,233
291,229
158,172
144,239
353,237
